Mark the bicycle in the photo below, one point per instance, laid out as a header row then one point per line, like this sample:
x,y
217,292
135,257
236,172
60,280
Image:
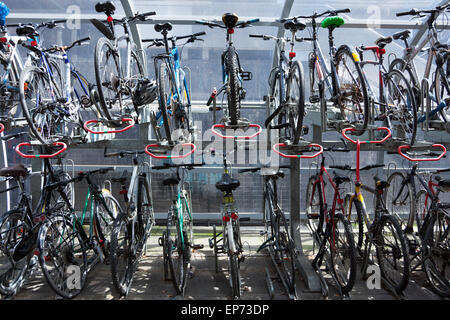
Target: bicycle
x,y
178,238
395,102
174,97
383,231
276,228
426,229
132,227
286,87
232,72
114,84
47,107
330,228
437,57
342,80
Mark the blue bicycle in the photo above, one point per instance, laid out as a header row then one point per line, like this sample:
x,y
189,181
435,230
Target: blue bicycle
x,y
174,99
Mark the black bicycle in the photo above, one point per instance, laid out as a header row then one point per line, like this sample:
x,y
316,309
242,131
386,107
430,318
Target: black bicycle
x,y
233,74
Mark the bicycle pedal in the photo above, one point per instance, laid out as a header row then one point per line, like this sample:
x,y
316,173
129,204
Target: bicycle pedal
x,y
314,99
197,246
160,241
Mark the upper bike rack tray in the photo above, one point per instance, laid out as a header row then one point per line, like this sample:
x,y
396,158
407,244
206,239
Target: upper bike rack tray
x,y
274,148
193,148
44,156
407,147
217,133
130,120
344,131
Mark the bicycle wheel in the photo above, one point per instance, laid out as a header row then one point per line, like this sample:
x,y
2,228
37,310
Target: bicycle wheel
x,y
167,103
343,257
355,216
38,98
315,207
104,219
233,96
296,101
392,253
400,105
423,204
14,230
405,68
436,253
276,96
352,97
234,275
442,83
63,256
399,197
108,76
176,252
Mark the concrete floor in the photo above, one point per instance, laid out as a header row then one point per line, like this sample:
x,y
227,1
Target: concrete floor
x,y
149,283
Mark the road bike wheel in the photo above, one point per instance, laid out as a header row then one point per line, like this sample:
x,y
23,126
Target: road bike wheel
x,y
14,229
276,96
422,207
188,221
176,252
401,104
167,104
436,253
343,253
442,83
356,220
121,255
233,96
63,256
405,68
399,198
104,220
296,101
352,98
109,80
392,253
38,98
315,207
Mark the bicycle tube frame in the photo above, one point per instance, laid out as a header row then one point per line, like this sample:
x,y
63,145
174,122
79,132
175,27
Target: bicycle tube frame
x,y
321,67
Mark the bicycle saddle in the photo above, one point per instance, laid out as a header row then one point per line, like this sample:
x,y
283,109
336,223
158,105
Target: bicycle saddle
x,y
230,20
273,173
401,35
26,31
17,170
383,41
163,27
294,25
227,183
340,179
381,184
172,181
106,7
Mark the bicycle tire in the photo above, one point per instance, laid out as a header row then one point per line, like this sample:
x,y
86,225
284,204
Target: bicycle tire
x,y
68,250
421,210
233,96
235,277
439,88
359,221
12,278
345,277
406,103
400,252
401,65
315,208
104,221
44,126
405,202
108,88
296,80
358,94
435,247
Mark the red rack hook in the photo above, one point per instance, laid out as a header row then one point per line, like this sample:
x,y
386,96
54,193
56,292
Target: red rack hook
x,y
193,148
64,148
400,148
274,148
217,133
85,126
2,127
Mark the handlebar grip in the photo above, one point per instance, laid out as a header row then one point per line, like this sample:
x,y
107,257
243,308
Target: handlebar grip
x,y
60,21
211,97
346,10
405,13
200,22
193,148
253,20
82,40
256,36
199,34
151,13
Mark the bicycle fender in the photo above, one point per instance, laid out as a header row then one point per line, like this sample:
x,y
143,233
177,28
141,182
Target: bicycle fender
x,y
352,50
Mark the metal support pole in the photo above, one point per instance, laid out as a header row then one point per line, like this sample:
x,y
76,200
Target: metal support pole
x,y
303,264
284,14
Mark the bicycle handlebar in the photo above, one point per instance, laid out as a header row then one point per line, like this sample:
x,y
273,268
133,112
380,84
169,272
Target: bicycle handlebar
x,y
176,38
365,142
348,168
193,148
259,168
317,15
415,12
242,24
85,126
66,48
312,145
236,137
168,166
407,147
44,156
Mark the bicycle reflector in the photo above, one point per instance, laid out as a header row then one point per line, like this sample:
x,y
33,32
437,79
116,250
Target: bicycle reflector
x,y
312,145
45,156
193,148
217,133
87,123
407,147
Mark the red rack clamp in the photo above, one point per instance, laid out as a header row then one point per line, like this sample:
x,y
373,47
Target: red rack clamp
x,y
85,126
400,148
193,148
274,148
45,156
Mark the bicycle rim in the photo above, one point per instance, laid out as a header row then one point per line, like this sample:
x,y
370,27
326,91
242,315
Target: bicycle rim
x,y
296,101
176,253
